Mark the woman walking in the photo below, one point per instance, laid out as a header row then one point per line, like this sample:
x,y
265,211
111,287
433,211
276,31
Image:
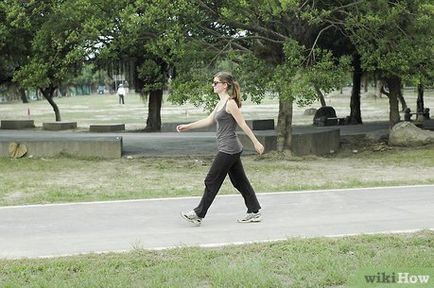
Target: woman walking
x,y
227,115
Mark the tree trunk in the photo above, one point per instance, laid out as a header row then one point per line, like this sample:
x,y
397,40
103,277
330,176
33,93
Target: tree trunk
x,y
365,83
394,85
379,88
320,96
284,126
356,115
48,94
420,104
402,100
23,95
153,123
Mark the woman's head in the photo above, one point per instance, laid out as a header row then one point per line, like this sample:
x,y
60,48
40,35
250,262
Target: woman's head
x,y
225,81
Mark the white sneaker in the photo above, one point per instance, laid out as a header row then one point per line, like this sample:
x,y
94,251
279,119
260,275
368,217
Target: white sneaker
x,y
250,218
191,217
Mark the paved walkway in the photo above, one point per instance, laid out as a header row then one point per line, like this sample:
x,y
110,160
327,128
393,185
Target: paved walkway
x,y
66,229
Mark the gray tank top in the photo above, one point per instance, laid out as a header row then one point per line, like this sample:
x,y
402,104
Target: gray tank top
x,y
227,139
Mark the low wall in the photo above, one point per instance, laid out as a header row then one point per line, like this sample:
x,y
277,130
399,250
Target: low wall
x,y
316,142
102,147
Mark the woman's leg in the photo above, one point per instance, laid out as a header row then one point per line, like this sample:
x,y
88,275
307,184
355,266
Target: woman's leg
x,y
213,181
241,183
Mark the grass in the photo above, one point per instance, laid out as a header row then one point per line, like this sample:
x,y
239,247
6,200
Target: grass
x,y
62,179
317,262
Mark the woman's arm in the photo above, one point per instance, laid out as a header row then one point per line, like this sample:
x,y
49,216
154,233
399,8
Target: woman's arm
x,y
233,109
208,121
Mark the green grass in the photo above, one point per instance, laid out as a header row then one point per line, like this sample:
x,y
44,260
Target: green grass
x,y
318,262
54,180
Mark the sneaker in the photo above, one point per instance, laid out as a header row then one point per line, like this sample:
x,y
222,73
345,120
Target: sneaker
x,y
251,217
191,217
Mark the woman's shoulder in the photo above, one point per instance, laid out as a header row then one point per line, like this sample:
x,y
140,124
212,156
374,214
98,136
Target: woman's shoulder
x,y
231,105
232,102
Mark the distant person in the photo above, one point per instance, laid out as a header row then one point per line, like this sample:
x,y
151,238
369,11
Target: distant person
x,y
227,115
121,94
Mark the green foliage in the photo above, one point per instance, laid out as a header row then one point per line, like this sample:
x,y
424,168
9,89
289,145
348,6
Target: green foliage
x,y
254,76
88,76
395,38
58,45
14,47
267,54
194,86
288,48
152,74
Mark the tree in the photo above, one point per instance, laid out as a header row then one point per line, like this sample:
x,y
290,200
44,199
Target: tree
x,y
13,48
395,40
274,44
129,39
58,46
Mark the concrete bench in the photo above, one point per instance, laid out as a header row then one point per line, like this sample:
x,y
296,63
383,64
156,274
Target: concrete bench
x,y
45,146
428,124
17,124
107,128
262,124
316,142
59,125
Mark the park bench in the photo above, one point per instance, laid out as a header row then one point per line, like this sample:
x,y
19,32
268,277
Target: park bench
x,y
107,128
59,125
326,116
408,114
17,124
261,124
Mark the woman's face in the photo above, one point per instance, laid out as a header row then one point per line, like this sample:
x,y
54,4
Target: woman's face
x,y
218,85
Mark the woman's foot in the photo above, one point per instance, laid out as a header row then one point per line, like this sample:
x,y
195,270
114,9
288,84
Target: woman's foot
x,y
191,217
251,218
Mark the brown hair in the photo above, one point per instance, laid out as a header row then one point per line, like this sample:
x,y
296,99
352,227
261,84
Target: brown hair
x,y
233,86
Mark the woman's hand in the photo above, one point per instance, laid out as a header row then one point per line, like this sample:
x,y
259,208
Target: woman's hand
x,y
259,148
182,128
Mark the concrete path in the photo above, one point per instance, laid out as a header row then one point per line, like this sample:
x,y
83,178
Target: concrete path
x,y
66,229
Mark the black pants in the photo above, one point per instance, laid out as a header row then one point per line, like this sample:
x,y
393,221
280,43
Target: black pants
x,y
227,164
121,99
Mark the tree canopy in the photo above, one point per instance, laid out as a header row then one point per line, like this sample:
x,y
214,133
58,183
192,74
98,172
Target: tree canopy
x,y
292,49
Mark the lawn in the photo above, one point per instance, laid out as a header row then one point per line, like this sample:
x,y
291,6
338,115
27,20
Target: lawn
x,y
318,262
61,179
